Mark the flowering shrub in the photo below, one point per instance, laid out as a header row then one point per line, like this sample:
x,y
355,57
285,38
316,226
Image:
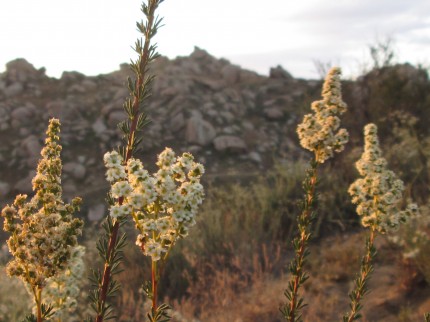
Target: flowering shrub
x,y
43,230
319,132
377,195
379,191
62,290
163,206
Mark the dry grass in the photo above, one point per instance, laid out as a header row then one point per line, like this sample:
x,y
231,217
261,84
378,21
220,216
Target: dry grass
x,y
242,289
226,295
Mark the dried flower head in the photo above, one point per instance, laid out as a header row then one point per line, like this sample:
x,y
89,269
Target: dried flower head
x,y
43,229
319,132
379,192
163,205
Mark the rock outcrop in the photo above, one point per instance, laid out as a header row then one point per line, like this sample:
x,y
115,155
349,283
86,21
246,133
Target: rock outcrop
x,y
222,113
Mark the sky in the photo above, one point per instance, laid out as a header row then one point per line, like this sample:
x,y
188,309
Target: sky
x,y
95,36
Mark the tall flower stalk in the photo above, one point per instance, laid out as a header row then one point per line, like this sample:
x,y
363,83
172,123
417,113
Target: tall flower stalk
x,y
163,207
110,245
44,232
320,133
378,195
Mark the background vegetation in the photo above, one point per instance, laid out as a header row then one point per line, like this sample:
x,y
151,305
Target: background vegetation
x,y
233,266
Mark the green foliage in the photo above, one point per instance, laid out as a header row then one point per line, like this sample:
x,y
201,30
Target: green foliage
x,y
361,281
47,313
109,245
295,303
238,219
112,260
140,86
262,208
160,314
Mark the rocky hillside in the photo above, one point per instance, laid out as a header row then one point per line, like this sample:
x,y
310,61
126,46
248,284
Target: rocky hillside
x,y
228,117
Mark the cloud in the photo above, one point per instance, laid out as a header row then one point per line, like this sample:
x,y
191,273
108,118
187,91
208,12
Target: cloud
x,y
255,34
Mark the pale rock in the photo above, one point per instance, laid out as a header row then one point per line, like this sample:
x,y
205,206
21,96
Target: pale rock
x,y
115,117
227,116
96,212
247,125
168,91
279,73
191,67
99,126
273,113
70,190
112,106
72,76
121,94
24,185
247,76
177,122
297,93
4,189
213,84
229,143
255,156
4,118
13,89
56,109
228,130
231,74
213,113
199,131
21,71
2,85
89,85
24,131
21,114
76,170
194,149
209,107
119,77
76,89
31,147
200,54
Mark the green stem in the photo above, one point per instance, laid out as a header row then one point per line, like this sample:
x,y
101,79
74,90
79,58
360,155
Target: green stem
x,y
295,303
362,279
113,234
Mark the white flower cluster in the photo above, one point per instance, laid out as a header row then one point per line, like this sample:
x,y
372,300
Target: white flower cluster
x,y
379,191
319,132
63,290
163,205
43,230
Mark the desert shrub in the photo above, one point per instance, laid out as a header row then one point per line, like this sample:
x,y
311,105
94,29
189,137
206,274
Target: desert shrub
x,y
244,228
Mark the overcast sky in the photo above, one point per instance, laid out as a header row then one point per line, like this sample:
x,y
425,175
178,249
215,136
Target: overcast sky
x,y
94,36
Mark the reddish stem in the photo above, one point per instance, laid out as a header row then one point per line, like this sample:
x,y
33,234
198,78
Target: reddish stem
x,y
139,82
303,243
365,272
